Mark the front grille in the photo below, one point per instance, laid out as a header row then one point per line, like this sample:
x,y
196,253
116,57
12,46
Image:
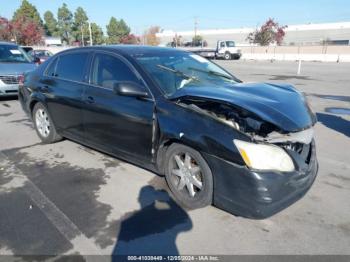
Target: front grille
x,y
10,79
304,150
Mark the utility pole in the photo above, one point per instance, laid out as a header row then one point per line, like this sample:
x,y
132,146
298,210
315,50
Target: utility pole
x,y
195,26
90,33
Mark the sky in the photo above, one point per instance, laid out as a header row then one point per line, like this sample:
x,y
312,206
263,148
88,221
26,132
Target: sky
x,y
179,15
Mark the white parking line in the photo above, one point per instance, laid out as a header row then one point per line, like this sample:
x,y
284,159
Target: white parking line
x,y
64,225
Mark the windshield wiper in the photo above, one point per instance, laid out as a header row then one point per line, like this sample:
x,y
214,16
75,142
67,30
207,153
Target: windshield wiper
x,y
210,72
178,73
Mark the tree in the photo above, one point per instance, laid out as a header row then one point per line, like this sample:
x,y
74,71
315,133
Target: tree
x,y
177,41
80,28
97,34
5,29
65,22
197,40
150,36
27,32
269,33
51,26
116,30
29,12
130,39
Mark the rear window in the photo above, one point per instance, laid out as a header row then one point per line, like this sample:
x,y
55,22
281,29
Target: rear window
x,y
71,66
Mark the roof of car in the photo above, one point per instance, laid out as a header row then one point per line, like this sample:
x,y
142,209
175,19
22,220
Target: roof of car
x,y
7,43
130,49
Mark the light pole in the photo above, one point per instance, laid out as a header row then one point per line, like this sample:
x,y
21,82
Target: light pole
x,y
82,34
90,33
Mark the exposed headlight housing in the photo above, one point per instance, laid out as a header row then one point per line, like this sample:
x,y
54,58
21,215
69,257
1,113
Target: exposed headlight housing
x,y
264,157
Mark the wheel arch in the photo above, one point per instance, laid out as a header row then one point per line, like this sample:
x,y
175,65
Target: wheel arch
x,y
36,98
163,147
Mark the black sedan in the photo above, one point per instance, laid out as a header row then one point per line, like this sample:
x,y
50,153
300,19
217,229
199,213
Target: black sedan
x,y
247,148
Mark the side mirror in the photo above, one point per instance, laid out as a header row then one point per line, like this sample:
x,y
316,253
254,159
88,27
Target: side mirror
x,y
130,89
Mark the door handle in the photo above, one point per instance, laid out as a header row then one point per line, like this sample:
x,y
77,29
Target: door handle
x,y
90,100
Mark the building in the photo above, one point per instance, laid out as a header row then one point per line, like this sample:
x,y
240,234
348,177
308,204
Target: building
x,y
308,34
52,41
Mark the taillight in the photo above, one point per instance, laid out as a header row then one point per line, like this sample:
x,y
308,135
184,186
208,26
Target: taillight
x,y
20,79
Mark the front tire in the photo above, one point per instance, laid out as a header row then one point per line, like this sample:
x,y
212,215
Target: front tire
x,y
188,176
227,56
43,125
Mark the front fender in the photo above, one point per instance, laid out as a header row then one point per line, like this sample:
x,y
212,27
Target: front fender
x,y
181,124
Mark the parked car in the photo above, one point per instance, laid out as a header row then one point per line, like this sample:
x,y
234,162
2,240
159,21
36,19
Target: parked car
x,y
14,62
247,148
40,55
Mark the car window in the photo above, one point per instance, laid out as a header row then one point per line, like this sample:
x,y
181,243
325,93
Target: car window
x,y
230,44
50,71
108,69
173,71
222,44
72,66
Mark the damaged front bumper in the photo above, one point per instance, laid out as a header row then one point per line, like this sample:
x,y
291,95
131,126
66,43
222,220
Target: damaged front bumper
x,y
254,194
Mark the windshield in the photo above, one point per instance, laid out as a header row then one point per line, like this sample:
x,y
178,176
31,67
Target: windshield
x,y
13,54
174,71
230,44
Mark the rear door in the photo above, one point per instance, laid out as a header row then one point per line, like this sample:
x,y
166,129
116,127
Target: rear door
x,y
63,84
117,124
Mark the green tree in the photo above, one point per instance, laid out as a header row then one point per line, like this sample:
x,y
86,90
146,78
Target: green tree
x,y
65,23
80,27
28,12
116,30
51,26
97,34
197,40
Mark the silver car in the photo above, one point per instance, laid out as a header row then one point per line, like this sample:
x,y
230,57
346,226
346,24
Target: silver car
x,y
14,62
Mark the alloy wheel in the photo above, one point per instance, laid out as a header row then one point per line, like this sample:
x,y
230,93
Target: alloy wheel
x,y
186,174
42,122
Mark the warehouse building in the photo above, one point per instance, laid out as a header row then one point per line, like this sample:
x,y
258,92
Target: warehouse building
x,y
308,34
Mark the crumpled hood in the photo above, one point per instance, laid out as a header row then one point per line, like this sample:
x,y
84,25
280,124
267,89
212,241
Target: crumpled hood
x,y
281,105
15,68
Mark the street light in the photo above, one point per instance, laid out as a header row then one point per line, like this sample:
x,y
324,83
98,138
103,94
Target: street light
x,y
90,33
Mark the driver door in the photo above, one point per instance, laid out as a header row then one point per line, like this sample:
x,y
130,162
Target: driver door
x,y
120,125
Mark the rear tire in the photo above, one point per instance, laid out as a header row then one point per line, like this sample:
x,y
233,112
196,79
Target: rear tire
x,y
188,176
43,125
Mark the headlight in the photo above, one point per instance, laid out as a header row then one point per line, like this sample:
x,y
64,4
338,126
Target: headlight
x,y
264,157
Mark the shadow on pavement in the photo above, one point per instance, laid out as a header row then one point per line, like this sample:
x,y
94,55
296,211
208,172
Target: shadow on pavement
x,y
336,123
8,98
153,229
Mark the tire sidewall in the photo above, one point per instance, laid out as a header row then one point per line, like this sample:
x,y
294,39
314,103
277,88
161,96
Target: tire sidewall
x,y
227,56
205,196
